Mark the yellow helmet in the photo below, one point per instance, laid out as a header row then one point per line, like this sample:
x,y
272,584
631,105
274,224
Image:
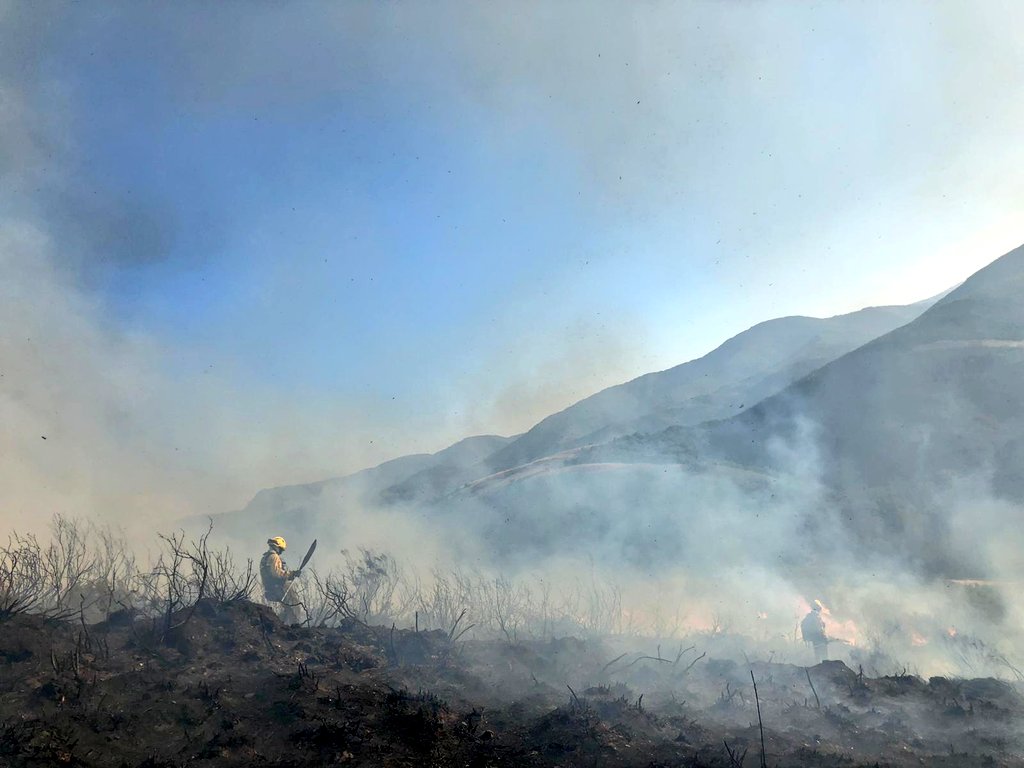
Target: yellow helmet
x,y
278,542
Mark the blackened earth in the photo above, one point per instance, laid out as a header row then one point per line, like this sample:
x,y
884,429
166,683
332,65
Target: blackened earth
x,y
226,684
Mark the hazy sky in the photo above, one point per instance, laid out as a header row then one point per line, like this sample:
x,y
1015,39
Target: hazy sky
x,y
252,243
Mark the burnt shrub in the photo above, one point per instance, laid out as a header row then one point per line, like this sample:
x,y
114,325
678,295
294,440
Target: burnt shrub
x,y
415,718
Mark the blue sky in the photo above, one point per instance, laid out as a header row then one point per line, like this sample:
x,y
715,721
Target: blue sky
x,y
408,222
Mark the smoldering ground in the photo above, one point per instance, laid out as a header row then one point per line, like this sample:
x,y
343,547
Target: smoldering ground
x,y
664,551
223,682
656,644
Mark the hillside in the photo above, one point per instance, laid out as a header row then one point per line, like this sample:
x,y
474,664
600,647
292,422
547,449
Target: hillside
x,y
739,373
306,510
901,433
744,370
889,456
901,423
874,456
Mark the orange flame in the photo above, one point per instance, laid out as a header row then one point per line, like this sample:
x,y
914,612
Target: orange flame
x,y
846,631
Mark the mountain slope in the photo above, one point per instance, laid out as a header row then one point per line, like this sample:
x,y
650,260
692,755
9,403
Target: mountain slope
x,y
306,509
589,477
902,433
906,452
744,370
940,394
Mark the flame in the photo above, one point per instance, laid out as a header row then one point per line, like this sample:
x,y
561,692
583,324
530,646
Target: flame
x,y
846,631
952,632
918,640
700,623
841,630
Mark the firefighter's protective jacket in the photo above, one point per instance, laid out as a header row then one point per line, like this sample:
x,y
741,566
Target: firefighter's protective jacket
x,y
275,575
813,628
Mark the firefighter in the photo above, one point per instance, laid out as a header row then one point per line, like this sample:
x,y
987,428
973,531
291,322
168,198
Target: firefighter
x,y
277,579
812,628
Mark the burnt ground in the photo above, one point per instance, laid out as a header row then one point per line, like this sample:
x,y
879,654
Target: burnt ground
x,y
231,686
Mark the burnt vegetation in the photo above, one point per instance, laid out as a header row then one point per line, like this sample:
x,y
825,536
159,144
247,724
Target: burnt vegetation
x,y
106,662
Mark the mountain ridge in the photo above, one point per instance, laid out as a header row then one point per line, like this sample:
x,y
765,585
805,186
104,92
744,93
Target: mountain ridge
x,y
704,392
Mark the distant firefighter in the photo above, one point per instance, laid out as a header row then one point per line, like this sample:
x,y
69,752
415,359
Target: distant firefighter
x,y
277,579
812,628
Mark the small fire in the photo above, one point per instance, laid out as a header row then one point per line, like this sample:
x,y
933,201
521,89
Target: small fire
x,y
842,631
952,632
846,631
918,640
701,623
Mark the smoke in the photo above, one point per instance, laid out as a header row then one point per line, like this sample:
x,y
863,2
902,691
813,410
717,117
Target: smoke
x,y
655,116
98,422
516,385
101,421
739,552
68,391
104,418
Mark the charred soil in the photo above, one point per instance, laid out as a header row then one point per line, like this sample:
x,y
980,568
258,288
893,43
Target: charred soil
x,y
226,684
